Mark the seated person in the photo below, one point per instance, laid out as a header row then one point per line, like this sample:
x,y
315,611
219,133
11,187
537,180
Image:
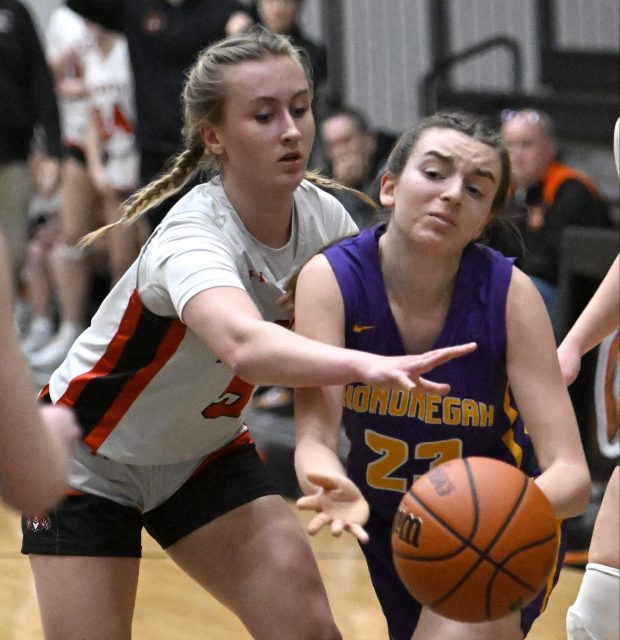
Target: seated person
x,y
355,154
552,196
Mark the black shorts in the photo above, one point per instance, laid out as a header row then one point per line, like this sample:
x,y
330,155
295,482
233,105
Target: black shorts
x,y
73,151
88,525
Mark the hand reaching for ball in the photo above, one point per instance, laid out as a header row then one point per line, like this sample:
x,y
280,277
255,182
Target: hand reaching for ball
x,y
338,503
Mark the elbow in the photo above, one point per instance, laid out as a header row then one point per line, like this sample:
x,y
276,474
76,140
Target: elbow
x,y
584,490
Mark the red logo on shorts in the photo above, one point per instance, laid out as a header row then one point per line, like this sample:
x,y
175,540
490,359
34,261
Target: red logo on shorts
x,y
39,522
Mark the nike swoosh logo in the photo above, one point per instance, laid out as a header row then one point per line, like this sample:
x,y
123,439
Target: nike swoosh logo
x,y
358,328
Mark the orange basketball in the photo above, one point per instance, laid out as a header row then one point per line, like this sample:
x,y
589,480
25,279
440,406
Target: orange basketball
x,y
474,539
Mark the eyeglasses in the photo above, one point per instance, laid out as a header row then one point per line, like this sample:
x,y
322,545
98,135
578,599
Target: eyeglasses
x,y
530,116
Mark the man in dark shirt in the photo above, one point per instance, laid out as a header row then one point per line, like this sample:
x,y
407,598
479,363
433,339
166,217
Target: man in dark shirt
x,y
164,38
549,196
27,99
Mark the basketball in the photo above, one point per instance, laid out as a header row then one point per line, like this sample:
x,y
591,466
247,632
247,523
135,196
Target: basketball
x,y
474,539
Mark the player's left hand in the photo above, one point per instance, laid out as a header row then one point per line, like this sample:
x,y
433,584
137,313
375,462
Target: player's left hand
x,y
339,504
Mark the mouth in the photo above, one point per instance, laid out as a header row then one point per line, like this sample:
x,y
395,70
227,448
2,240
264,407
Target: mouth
x,y
291,157
443,218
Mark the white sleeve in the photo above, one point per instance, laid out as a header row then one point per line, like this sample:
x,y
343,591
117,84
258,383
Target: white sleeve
x,y
189,257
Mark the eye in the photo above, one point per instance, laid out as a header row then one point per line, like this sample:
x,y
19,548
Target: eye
x,y
475,191
299,112
433,174
263,117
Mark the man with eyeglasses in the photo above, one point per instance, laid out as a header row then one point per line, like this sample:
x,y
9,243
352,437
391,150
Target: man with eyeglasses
x,y
549,196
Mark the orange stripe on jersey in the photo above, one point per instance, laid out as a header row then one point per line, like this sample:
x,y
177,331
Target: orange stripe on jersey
x,y
135,386
112,354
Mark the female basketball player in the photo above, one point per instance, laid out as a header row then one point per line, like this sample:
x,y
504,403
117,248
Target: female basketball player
x,y
418,283
160,378
35,443
596,611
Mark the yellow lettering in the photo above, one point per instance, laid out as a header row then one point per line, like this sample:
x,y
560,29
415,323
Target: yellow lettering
x,y
471,416
398,403
348,396
431,415
487,415
416,405
379,399
451,414
360,399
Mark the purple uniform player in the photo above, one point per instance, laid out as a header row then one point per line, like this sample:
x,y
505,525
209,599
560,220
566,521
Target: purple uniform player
x,y
421,282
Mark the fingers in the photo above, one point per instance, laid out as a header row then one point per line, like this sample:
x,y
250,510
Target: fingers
x,y
359,532
317,523
439,388
308,503
434,358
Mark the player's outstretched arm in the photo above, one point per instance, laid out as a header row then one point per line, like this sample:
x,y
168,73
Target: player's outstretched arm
x,y
599,318
260,352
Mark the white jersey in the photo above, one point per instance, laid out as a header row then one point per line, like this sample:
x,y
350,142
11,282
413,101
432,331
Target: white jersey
x,y
67,39
145,389
109,82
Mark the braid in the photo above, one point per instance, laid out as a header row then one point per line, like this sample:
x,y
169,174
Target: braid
x,y
324,182
185,164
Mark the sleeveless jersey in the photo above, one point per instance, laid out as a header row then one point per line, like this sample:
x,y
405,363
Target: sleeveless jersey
x,y
109,82
67,37
145,389
397,435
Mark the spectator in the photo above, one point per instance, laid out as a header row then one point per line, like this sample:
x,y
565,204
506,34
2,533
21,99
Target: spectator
x,y
113,159
282,16
555,196
68,41
164,38
27,99
355,154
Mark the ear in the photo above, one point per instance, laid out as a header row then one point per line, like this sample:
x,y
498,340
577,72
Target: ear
x,y
211,139
386,191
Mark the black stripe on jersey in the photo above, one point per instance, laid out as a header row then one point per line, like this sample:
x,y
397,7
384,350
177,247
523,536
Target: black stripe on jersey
x,y
100,393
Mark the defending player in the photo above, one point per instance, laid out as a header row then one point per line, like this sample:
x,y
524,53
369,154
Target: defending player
x,y
160,379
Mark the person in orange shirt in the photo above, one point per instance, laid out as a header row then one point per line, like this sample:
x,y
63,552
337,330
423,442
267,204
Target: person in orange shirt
x,y
549,196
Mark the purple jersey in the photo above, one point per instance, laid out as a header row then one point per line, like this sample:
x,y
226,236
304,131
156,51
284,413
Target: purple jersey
x,y
397,435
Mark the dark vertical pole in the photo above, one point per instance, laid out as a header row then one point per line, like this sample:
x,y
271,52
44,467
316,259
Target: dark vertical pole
x,y
439,28
546,37
439,50
334,41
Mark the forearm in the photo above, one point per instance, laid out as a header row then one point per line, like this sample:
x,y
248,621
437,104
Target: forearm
x,y
272,355
567,486
312,456
600,317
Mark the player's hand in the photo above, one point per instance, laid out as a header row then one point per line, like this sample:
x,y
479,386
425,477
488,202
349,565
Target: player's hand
x,y
62,427
405,372
339,504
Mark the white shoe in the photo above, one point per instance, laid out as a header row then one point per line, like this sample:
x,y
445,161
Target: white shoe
x,y
39,333
52,355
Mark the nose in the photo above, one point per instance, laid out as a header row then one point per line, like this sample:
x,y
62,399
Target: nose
x,y
453,189
290,130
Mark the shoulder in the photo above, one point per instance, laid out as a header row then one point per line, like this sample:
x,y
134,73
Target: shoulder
x,y
311,201
308,194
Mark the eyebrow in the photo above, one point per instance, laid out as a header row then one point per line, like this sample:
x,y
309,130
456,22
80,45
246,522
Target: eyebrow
x,y
272,99
483,173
